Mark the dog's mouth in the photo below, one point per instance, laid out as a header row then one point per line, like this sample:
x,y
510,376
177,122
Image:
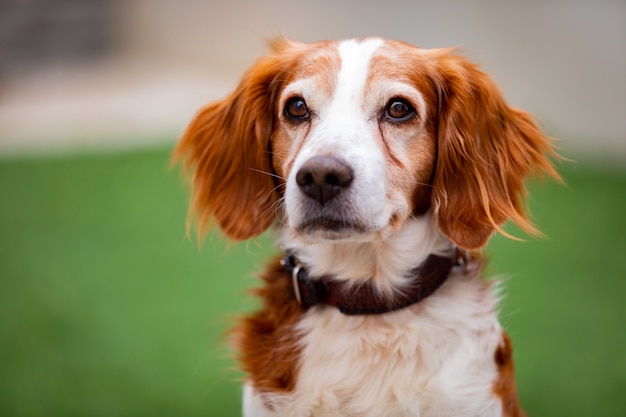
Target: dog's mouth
x,y
331,228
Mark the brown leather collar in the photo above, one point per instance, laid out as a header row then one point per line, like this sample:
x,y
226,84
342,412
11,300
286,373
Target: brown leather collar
x,y
364,299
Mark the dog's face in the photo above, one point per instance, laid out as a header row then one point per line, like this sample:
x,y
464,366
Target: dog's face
x,y
348,140
355,144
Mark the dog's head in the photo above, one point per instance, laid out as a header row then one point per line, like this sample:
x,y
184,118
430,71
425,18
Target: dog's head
x,y
348,140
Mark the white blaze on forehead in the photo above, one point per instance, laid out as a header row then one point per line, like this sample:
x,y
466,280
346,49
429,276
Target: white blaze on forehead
x,y
343,127
352,77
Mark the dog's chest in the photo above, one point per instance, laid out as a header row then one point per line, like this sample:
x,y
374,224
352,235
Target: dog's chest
x,y
434,359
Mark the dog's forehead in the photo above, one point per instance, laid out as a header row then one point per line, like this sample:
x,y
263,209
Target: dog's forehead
x,y
335,55
403,63
365,64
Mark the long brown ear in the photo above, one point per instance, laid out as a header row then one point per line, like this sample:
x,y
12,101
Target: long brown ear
x,y
226,149
485,151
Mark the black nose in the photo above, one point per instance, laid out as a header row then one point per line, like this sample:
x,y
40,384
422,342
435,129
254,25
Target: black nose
x,y
323,177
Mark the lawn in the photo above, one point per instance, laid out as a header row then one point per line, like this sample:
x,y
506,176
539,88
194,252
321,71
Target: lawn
x,y
107,309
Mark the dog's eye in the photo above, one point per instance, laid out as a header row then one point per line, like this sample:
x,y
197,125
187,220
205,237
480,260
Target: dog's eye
x,y
296,109
399,110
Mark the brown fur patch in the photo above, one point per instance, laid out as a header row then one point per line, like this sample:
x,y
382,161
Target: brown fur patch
x,y
504,386
267,340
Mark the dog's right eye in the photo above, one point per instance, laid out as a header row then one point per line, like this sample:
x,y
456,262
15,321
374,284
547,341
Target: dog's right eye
x,y
296,109
399,110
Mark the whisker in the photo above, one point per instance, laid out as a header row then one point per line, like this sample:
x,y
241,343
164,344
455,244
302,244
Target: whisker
x,y
274,152
423,184
274,204
273,207
271,174
410,181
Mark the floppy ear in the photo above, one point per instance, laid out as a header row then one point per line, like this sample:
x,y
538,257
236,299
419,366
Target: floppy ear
x,y
226,149
485,150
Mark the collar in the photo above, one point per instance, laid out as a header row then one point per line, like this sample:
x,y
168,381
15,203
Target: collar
x,y
364,298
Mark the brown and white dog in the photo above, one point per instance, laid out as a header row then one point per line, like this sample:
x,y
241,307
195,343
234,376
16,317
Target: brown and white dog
x,y
383,168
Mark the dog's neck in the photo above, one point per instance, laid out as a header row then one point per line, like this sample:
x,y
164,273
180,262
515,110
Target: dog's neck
x,y
385,261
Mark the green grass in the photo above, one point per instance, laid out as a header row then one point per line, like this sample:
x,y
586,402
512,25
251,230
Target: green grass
x,y
106,309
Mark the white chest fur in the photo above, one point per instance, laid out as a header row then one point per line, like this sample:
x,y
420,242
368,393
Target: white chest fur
x,y
435,358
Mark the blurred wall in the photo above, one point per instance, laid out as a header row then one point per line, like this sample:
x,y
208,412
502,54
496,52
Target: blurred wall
x,y
564,61
39,33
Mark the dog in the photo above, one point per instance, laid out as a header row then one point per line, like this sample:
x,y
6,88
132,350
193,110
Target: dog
x,y
383,169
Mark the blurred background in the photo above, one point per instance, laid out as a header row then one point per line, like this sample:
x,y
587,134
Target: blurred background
x,y
106,308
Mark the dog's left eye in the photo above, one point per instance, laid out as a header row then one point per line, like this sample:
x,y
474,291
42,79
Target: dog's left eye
x,y
296,109
399,110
